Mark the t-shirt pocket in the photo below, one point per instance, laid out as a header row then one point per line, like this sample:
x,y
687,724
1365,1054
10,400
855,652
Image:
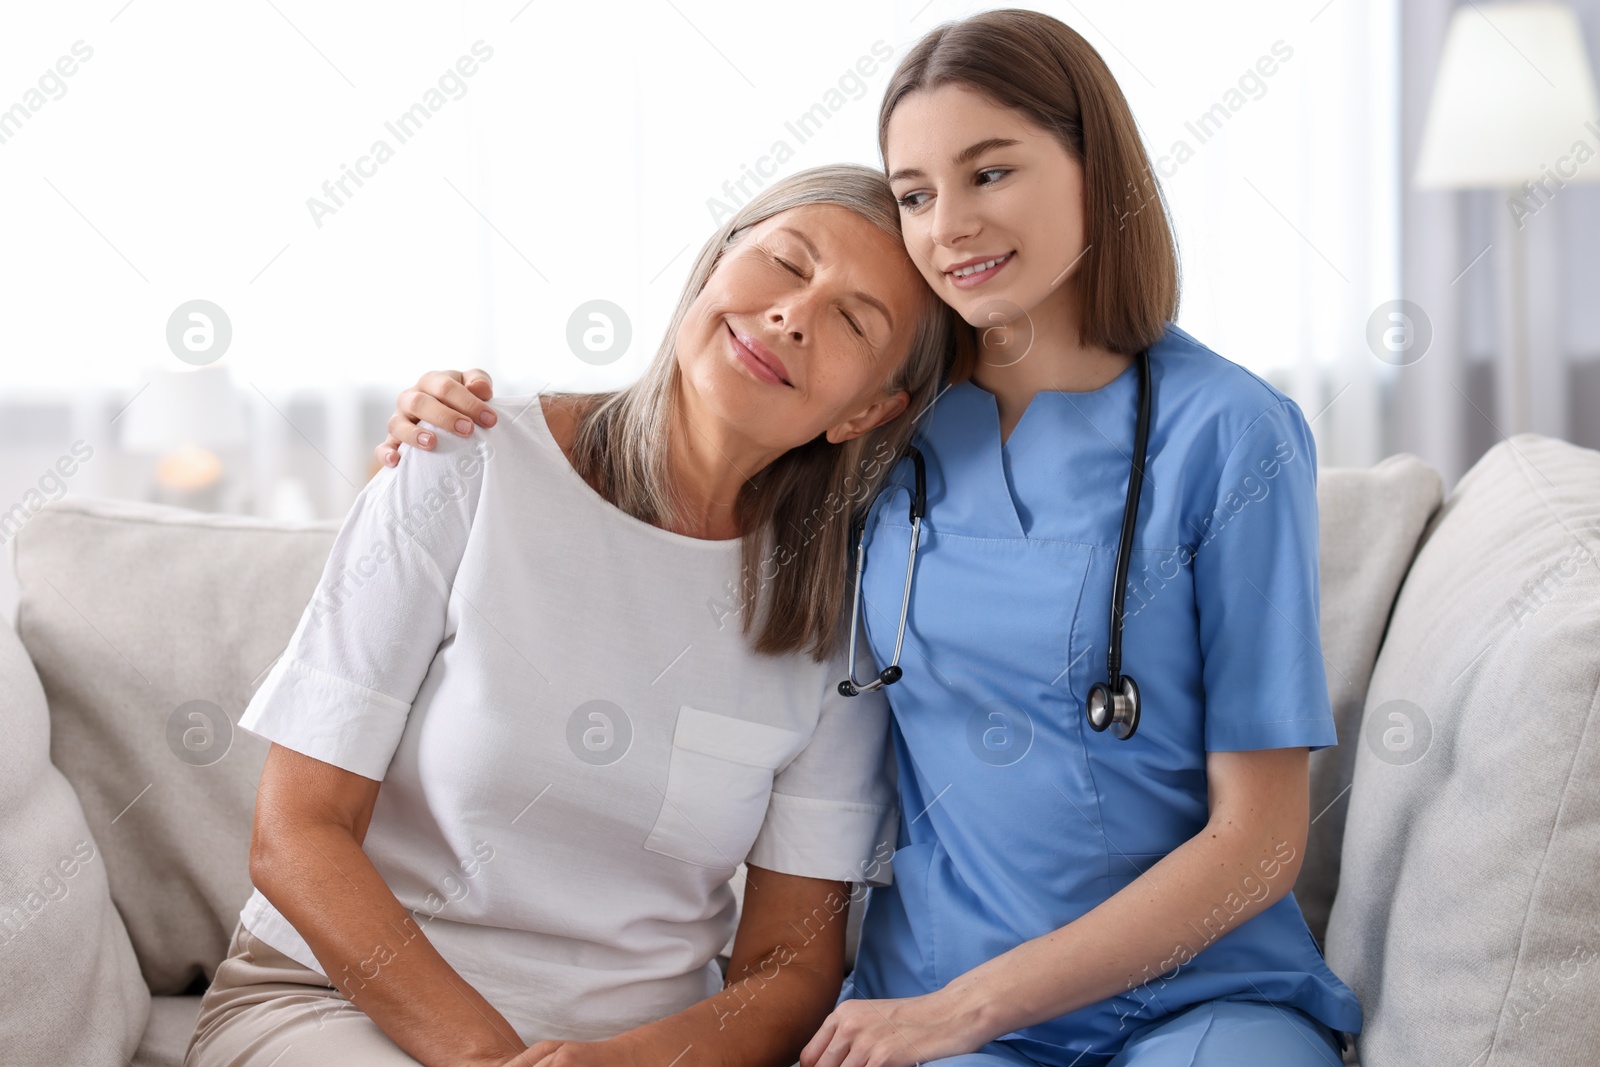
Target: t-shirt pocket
x,y
719,781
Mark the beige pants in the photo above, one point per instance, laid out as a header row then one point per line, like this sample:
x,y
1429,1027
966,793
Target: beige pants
x,y
264,1008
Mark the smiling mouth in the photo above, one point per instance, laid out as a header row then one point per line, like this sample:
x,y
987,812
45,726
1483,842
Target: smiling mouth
x,y
979,268
743,350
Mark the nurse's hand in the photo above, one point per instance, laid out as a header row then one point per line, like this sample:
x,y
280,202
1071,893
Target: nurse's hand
x,y
613,1052
534,1053
889,1033
448,398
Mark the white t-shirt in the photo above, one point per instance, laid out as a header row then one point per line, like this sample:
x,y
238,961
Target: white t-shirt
x,y
576,743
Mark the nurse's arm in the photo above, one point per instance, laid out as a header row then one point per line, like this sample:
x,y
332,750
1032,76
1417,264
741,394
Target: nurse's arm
x,y
783,978
306,858
450,399
1244,860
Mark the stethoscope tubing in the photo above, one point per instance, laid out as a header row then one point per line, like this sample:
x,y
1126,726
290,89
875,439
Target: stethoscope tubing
x,y
1114,702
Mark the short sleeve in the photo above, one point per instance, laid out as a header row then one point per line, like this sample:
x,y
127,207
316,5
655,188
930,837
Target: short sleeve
x,y
342,689
832,813
1257,592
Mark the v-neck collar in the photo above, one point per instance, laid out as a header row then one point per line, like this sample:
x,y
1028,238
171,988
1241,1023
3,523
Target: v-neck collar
x,y
966,443
1075,400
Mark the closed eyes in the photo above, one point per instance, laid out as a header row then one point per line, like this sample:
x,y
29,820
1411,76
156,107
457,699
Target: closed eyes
x,y
799,274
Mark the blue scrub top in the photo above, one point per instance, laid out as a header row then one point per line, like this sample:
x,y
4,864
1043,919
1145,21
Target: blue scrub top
x,y
1016,817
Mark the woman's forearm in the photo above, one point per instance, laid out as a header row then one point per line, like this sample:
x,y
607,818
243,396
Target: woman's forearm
x,y
376,952
1133,942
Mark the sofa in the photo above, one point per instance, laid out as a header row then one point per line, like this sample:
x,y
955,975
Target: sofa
x,y
1451,877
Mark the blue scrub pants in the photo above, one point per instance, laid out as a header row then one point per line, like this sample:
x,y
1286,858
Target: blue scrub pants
x,y
1218,1033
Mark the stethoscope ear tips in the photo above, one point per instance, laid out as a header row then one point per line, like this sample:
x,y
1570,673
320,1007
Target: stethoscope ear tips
x,y
1120,710
888,676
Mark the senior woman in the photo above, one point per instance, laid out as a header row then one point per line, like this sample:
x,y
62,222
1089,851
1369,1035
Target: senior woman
x,y
554,686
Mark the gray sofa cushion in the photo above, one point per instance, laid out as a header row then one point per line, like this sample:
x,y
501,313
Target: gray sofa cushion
x,y
166,1039
1468,913
71,986
150,628
1370,520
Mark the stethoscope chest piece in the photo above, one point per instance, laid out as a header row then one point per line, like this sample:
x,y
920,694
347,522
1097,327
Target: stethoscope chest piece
x,y
1119,710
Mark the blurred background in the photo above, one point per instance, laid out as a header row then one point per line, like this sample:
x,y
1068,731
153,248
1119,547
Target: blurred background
x,y
233,232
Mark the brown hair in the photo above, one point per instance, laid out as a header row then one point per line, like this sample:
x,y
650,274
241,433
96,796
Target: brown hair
x,y
1043,68
795,515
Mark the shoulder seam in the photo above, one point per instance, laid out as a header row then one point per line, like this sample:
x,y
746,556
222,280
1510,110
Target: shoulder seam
x,y
1201,346
1246,433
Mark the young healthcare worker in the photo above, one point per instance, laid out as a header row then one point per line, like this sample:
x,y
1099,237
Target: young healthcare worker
x,y
1104,802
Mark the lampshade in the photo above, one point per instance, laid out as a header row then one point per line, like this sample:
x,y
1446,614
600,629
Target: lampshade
x,y
184,407
1514,94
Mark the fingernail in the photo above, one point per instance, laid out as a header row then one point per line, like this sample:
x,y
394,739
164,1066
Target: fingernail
x,y
391,458
425,440
463,426
486,417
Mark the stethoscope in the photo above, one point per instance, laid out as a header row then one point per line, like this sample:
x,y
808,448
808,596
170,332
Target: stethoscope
x,y
1115,702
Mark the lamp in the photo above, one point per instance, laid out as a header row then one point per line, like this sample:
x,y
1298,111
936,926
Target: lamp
x,y
1514,108
181,416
